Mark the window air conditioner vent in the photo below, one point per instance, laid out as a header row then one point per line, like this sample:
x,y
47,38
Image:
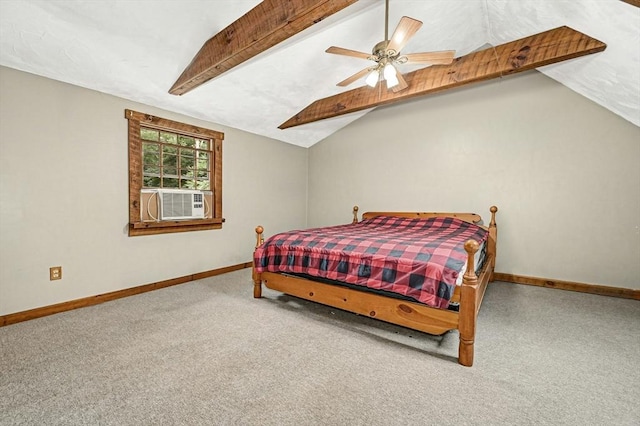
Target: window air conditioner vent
x,y
181,204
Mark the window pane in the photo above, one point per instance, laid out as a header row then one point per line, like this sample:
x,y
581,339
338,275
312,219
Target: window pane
x,y
187,160
203,174
170,171
152,159
168,137
186,141
169,183
187,183
151,182
169,160
166,149
150,148
151,169
203,164
202,184
203,155
202,143
150,153
148,134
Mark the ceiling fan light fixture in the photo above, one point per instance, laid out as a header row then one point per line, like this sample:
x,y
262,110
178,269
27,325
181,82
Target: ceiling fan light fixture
x,y
392,82
389,73
372,78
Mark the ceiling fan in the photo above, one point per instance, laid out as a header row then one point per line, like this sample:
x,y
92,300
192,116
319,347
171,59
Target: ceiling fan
x,y
386,55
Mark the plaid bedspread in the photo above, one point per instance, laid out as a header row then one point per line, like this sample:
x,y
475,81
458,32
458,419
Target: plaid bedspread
x,y
418,258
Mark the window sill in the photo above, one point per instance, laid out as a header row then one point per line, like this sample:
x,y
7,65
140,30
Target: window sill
x,y
169,226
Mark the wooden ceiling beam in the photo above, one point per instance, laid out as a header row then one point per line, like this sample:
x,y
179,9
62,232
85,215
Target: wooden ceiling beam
x,y
635,3
528,53
264,26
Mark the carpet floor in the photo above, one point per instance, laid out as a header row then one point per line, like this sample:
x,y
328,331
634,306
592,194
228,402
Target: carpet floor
x,y
207,353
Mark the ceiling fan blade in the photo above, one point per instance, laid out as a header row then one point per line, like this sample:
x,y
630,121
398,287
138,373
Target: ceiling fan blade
x,y
437,58
404,31
347,52
402,83
354,77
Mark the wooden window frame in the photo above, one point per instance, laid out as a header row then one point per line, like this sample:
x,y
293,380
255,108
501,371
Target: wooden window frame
x,y
136,225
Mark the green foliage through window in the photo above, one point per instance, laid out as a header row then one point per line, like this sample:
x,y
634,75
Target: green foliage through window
x,y
172,160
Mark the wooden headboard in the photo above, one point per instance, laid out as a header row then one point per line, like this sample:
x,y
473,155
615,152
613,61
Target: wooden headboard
x,y
467,217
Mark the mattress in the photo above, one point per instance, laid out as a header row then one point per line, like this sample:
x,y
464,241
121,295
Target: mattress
x,y
422,259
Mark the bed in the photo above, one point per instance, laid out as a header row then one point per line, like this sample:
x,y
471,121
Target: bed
x,y
424,271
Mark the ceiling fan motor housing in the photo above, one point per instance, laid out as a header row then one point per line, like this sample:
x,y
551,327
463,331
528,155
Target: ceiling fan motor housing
x,y
380,48
380,52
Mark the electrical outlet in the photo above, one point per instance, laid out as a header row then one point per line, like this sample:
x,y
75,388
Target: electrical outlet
x,y
55,273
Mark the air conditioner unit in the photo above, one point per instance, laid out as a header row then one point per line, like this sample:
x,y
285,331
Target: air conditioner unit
x,y
180,204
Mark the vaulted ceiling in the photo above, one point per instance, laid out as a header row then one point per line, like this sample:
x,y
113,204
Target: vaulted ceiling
x,y
137,49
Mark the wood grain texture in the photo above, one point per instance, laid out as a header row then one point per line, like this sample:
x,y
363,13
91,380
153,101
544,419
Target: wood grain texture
x,y
467,217
401,312
171,125
525,54
468,307
264,26
492,240
625,293
216,164
139,229
170,223
106,297
135,165
635,3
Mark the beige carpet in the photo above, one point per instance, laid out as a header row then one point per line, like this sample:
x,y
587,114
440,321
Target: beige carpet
x,y
207,353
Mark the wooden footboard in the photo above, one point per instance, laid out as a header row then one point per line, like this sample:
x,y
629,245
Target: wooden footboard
x,y
413,315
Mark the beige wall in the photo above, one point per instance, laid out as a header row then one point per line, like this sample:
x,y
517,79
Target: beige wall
x,y
64,197
564,172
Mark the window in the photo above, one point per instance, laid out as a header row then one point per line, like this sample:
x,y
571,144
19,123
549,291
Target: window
x,y
174,160
169,155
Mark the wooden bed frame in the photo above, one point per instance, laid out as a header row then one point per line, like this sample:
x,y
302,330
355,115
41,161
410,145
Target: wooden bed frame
x,y
413,315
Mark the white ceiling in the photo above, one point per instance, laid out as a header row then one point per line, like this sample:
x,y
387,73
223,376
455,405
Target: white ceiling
x,y
136,49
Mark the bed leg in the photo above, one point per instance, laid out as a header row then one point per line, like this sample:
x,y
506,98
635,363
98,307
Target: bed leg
x,y
468,308
257,278
467,329
257,287
465,353
493,238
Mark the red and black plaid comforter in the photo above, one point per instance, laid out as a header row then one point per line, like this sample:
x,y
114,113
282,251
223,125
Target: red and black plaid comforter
x,y
418,258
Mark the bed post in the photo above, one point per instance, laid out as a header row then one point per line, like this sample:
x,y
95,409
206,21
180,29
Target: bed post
x,y
355,214
257,279
468,307
493,238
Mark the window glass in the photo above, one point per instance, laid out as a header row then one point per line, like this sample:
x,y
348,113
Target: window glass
x,y
149,134
187,141
168,137
175,160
